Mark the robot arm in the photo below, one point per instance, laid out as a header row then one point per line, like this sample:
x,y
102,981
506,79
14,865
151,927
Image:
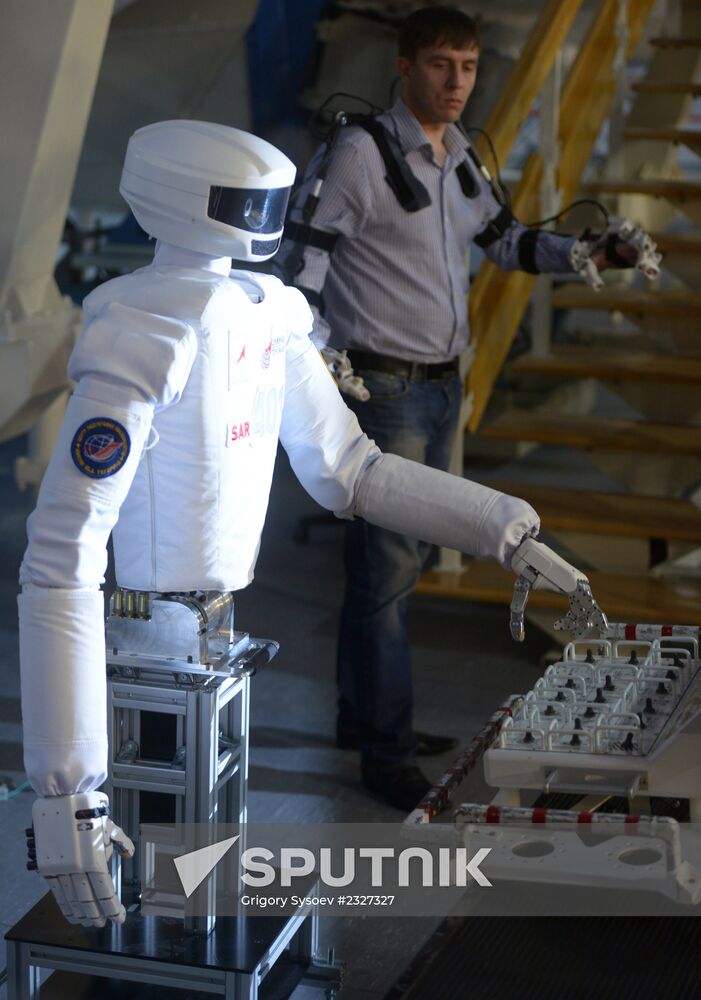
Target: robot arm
x,y
536,565
127,366
346,473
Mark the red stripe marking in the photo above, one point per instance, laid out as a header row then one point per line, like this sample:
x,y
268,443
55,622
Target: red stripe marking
x,y
667,629
493,814
630,631
585,817
631,819
538,815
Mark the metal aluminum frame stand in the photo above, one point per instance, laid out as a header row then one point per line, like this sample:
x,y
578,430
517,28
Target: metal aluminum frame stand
x,y
209,780
178,655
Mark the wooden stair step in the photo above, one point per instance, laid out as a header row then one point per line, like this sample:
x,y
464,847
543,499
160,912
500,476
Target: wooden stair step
x,y
667,87
685,136
644,301
684,243
624,515
576,361
622,598
611,433
677,190
669,42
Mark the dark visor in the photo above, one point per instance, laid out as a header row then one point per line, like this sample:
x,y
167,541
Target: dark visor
x,y
255,209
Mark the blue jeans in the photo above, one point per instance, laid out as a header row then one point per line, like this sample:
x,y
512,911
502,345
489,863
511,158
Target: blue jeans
x,y
417,420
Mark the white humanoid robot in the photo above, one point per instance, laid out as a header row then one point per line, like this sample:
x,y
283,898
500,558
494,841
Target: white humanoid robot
x,y
187,374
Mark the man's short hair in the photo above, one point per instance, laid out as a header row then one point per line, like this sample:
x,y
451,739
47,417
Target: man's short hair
x,y
431,26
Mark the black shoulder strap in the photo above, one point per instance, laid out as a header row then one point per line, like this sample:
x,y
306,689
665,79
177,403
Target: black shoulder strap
x,y
409,191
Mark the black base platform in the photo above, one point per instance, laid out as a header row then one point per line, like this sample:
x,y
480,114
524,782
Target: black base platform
x,y
233,962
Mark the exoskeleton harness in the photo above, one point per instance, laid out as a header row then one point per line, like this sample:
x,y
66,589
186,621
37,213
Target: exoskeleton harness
x,y
410,193
413,197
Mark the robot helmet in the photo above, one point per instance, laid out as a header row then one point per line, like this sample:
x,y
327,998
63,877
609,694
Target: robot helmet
x,y
208,187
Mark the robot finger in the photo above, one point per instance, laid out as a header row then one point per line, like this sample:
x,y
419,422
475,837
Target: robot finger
x,y
107,898
60,897
86,897
68,889
84,900
522,589
91,912
123,845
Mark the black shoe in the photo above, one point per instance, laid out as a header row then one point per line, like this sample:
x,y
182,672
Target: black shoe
x,y
403,787
427,744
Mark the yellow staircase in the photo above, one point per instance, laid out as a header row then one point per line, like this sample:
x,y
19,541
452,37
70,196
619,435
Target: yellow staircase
x,y
627,598
685,136
678,302
638,544
667,87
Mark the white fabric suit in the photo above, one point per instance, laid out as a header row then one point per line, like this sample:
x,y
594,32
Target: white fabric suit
x,y
187,375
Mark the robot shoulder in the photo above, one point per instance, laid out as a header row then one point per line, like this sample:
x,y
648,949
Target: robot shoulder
x,y
150,353
300,318
289,304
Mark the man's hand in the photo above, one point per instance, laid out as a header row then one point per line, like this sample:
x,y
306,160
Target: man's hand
x,y
537,566
618,254
621,245
71,844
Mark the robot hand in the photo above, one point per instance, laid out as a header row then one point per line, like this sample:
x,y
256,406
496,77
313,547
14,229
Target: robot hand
x,y
70,844
536,565
622,244
340,367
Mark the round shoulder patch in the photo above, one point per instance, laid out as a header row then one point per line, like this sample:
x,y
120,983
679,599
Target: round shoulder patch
x,y
100,447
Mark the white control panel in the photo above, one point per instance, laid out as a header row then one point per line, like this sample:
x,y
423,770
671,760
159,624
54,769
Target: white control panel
x,y
600,717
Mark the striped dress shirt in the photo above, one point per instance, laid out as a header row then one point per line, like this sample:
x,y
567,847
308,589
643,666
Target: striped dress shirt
x,y
396,282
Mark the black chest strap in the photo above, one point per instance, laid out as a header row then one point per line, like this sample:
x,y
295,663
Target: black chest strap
x,y
408,190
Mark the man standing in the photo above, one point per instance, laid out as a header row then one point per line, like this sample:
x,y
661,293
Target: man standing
x,y
382,263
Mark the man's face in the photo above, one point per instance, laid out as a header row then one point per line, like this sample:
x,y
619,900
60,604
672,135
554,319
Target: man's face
x,y
438,82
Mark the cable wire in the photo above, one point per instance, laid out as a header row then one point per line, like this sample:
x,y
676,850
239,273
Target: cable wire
x,y
507,193
324,119
497,172
568,208
14,791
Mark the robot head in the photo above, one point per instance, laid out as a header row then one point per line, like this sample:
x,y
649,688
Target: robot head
x,y
208,187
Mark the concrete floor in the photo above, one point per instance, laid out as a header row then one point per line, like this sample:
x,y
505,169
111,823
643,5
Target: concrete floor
x,y
464,662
